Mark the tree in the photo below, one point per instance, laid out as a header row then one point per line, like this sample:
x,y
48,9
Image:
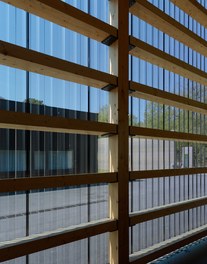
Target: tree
x,y
33,101
103,116
173,119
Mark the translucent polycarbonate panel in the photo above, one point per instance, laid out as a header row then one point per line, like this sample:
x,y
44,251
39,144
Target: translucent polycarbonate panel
x,y
152,192
99,249
12,216
96,8
45,37
60,154
38,94
149,74
13,154
179,15
92,250
15,30
158,230
24,154
21,260
148,154
30,154
47,210
12,87
156,77
103,154
52,209
76,252
98,202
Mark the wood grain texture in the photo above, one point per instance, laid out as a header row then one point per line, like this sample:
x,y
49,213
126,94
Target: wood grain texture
x,y
155,56
167,135
113,141
160,20
169,245
193,9
67,16
160,211
155,95
35,243
123,132
147,174
18,57
34,122
23,184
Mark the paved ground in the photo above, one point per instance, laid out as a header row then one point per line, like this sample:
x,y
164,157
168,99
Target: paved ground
x,y
50,210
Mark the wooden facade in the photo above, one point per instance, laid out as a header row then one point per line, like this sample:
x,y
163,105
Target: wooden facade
x,y
119,130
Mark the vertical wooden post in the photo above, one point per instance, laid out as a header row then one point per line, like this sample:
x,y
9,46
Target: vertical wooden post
x,y
123,131
113,140
118,145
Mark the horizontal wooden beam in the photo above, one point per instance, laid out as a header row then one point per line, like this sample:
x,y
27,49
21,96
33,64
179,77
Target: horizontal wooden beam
x,y
148,174
152,94
34,122
157,18
160,211
23,184
158,250
166,135
193,9
69,17
29,60
155,56
34,243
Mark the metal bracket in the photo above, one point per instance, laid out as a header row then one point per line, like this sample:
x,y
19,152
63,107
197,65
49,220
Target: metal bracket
x,y
109,40
131,91
108,135
109,87
131,2
131,47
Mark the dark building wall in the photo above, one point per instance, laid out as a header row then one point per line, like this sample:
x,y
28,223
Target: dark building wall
x,y
29,153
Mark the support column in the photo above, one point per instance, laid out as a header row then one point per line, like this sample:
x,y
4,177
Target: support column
x,y
118,145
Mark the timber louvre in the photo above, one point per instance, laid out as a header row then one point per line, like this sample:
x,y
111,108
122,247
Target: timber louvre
x,y
117,84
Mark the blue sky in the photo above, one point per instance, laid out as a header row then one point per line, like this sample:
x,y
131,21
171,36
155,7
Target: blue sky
x,y
46,37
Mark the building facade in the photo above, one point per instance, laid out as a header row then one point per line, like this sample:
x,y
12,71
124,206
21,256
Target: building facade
x,y
30,154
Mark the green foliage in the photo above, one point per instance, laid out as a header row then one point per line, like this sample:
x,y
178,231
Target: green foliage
x,y
103,116
33,101
165,117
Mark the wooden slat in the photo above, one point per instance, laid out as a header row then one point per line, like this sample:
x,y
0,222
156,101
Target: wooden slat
x,y
166,135
33,122
160,211
157,18
67,16
34,243
29,60
193,9
167,246
147,174
152,94
155,56
23,184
